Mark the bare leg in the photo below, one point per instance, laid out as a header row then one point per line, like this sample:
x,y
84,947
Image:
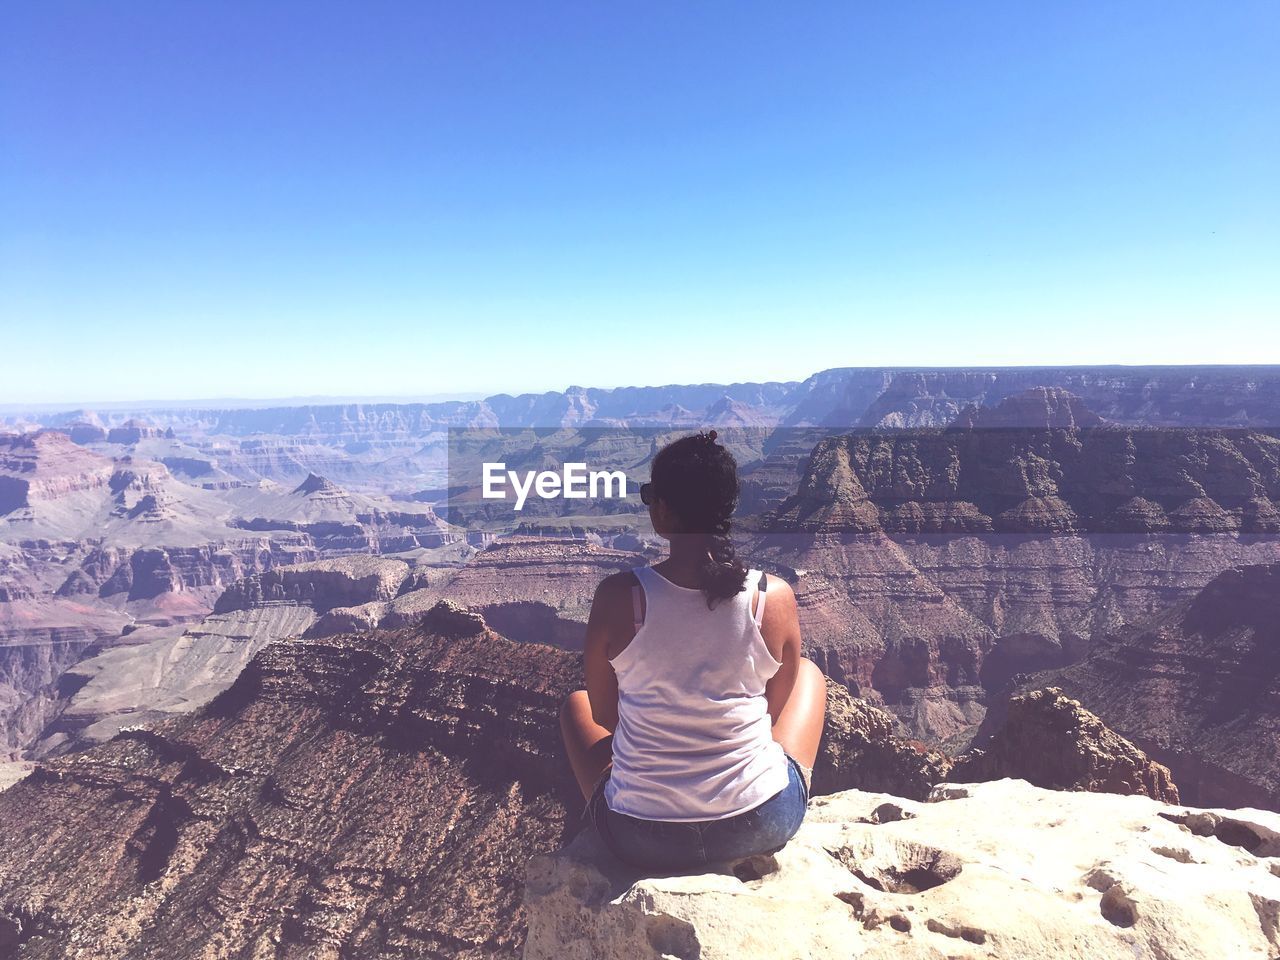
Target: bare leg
x,y
589,745
799,726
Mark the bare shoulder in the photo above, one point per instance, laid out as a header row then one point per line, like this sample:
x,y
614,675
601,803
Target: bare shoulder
x,y
611,615
780,610
779,590
613,593
616,585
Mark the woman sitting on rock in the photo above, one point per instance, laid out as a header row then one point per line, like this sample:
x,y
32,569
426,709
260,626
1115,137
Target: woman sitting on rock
x,y
694,740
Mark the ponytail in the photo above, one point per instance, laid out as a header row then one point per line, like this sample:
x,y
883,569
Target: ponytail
x,y
723,574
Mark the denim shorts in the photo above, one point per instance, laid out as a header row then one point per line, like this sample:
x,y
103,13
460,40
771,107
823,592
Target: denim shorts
x,y
685,845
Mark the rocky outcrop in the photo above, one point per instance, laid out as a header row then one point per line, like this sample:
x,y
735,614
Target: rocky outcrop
x,y
133,430
1051,741
862,749
1042,737
320,488
999,870
1197,688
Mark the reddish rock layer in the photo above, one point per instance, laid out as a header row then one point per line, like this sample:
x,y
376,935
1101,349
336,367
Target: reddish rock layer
x,y
870,620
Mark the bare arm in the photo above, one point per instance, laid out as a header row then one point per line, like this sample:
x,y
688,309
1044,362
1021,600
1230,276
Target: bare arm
x,y
609,629
781,631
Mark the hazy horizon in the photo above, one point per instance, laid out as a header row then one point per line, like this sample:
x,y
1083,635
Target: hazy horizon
x,y
232,402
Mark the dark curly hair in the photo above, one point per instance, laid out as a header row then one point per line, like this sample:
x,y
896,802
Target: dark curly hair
x,y
698,480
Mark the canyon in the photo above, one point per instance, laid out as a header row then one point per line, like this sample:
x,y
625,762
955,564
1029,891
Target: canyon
x,y
932,566
106,550
948,532
378,794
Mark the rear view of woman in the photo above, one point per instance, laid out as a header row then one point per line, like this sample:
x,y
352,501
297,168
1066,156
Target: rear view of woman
x,y
695,737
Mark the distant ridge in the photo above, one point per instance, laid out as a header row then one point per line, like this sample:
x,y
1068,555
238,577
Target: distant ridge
x,y
883,397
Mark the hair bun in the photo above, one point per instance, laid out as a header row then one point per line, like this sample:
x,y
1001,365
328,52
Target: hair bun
x,y
711,436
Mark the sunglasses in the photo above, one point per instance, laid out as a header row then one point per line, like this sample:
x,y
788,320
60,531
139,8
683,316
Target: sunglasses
x,y
647,495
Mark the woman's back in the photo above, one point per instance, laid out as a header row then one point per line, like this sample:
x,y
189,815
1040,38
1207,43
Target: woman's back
x,y
693,739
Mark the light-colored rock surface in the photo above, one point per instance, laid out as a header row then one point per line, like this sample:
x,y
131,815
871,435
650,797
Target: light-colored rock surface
x,y
998,870
156,671
11,771
169,670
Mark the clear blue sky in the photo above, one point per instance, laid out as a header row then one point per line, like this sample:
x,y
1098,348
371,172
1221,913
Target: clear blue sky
x,y
275,199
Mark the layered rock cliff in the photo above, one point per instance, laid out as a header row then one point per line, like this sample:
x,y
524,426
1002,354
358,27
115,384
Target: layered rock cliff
x,y
870,620
932,566
993,472
537,589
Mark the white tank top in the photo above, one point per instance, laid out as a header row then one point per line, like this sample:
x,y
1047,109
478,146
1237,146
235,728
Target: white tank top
x,y
694,737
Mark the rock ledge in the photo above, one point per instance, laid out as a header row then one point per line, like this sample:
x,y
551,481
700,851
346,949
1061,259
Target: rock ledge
x,y
998,870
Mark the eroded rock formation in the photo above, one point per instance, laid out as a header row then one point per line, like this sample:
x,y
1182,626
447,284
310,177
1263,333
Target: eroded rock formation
x,y
860,748
103,548
538,589
1050,740
1197,687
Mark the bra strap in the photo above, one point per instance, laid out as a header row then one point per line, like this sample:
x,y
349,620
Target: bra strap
x,y
637,613
764,583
